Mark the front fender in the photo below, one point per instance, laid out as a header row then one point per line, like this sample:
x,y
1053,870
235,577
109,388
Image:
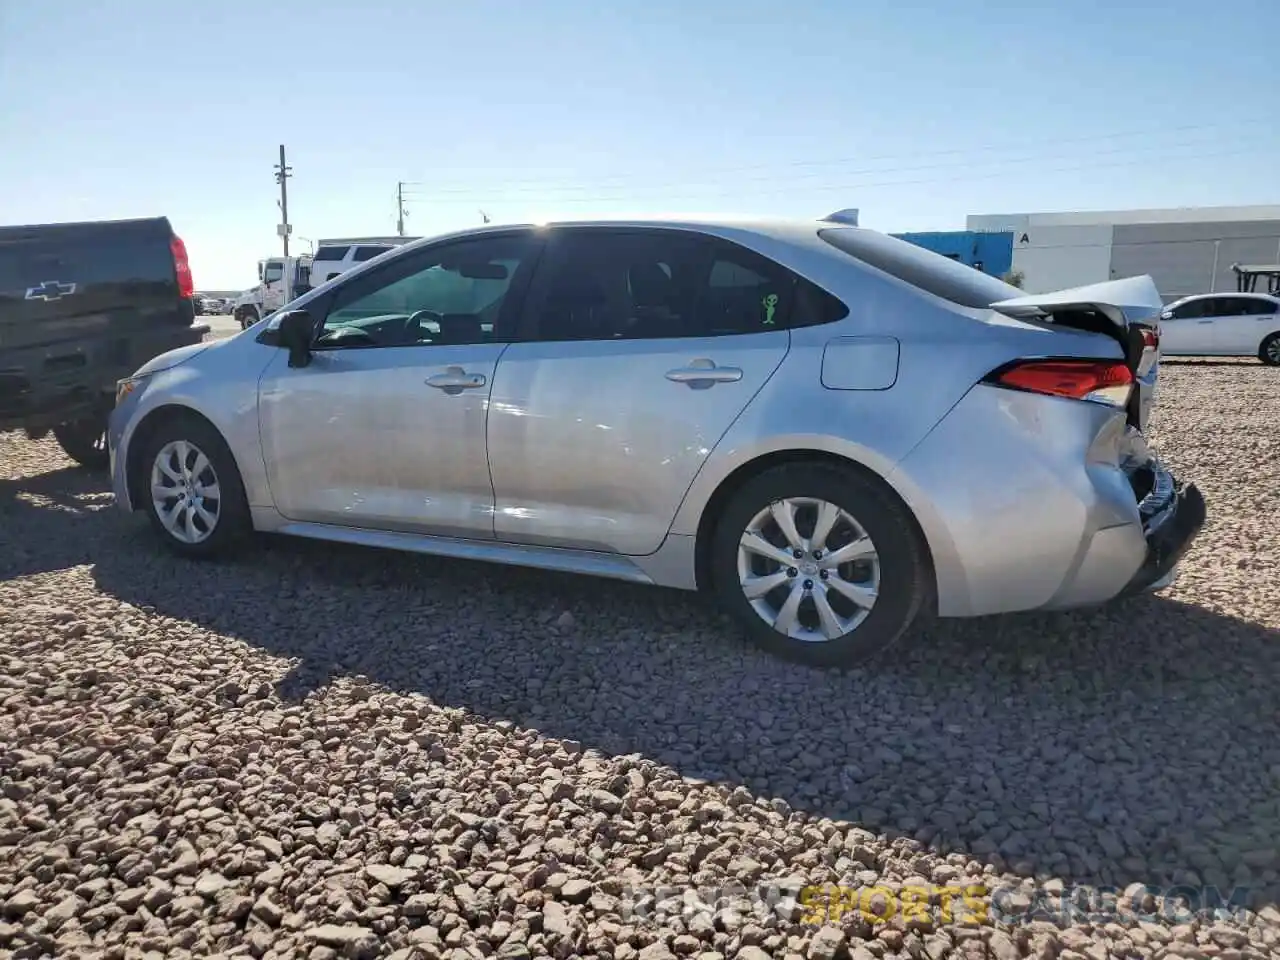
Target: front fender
x,y
220,386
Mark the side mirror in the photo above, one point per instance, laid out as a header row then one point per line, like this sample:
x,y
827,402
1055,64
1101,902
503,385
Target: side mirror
x,y
1167,315
296,330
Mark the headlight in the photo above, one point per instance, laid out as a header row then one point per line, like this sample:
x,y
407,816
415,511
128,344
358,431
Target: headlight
x,y
127,386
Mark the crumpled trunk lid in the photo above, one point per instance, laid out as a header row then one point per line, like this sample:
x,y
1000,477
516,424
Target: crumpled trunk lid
x,y
1126,310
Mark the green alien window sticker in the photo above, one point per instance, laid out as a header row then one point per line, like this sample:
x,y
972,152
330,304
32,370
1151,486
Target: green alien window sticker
x,y
770,304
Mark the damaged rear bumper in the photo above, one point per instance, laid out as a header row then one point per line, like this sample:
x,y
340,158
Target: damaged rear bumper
x,y
1173,514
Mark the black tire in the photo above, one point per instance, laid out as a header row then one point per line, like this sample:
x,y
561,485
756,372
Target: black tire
x,y
1269,350
247,317
233,523
85,441
904,573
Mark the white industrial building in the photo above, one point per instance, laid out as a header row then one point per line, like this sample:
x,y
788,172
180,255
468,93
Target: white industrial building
x,y
1186,250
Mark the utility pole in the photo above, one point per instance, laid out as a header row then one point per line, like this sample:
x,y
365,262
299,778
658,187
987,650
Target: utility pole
x,y
401,213
283,173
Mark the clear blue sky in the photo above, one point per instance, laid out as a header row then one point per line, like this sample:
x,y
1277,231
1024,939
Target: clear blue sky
x,y
917,113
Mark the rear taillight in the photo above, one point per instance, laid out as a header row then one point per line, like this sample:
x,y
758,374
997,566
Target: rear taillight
x,y
1100,381
1150,338
182,267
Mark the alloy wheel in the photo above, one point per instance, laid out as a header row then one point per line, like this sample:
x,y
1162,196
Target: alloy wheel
x,y
808,569
185,492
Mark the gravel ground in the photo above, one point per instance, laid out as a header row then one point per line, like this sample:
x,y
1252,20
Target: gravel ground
x,y
330,752
221,326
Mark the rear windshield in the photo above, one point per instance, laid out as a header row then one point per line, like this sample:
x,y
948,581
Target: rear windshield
x,y
331,253
931,272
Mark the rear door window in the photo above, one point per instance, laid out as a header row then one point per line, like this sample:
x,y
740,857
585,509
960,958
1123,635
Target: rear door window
x,y
656,284
331,253
369,252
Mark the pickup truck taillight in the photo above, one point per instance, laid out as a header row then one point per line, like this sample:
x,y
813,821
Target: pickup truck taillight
x,y
1101,381
182,267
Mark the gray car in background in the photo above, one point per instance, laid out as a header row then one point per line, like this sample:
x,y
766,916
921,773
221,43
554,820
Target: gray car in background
x,y
829,430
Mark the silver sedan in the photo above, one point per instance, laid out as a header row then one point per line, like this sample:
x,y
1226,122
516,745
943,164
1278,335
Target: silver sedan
x,y
829,430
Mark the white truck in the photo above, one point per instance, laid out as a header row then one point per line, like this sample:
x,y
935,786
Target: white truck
x,y
280,279
339,255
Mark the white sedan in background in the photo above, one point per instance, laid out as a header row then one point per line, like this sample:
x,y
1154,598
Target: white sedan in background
x,y
1222,325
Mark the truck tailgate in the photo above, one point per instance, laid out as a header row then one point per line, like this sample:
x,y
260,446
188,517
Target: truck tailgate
x,y
62,282
81,305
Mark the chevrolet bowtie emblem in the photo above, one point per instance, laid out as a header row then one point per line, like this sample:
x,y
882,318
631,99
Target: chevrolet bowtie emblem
x,y
51,290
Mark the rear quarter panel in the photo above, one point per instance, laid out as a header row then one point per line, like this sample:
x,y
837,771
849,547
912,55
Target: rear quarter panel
x,y
943,350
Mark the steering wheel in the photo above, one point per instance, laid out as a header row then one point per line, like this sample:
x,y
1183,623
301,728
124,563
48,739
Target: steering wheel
x,y
413,326
348,335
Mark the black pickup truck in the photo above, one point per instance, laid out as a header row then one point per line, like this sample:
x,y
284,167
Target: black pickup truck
x,y
83,305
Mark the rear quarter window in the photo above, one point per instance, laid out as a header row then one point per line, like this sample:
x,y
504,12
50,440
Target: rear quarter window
x,y
744,276
814,306
931,272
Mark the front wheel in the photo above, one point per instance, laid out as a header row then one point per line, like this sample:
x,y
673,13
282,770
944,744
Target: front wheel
x,y
195,498
85,441
1269,351
820,564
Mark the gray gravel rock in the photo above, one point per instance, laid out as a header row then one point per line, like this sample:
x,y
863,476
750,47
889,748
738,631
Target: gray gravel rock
x,y
321,752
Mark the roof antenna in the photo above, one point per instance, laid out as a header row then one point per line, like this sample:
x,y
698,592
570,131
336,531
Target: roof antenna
x,y
847,216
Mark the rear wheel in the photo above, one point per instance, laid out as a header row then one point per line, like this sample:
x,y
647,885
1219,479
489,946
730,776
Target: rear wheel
x,y
819,564
85,441
1269,351
194,495
247,316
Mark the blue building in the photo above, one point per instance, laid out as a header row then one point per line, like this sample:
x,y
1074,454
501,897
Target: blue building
x,y
989,252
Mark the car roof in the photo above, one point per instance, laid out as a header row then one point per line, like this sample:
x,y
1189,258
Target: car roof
x,y
792,242
1252,295
777,227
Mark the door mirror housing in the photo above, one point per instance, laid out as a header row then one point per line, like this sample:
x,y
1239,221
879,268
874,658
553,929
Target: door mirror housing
x,y
1167,315
296,331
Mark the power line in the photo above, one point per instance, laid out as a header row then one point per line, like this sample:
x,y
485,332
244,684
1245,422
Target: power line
x,y
1032,158
840,161
864,185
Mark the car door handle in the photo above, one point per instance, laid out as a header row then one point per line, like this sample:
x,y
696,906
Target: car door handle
x,y
1204,321
455,378
702,373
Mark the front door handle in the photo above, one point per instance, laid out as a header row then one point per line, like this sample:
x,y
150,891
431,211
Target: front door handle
x,y
455,379
703,373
